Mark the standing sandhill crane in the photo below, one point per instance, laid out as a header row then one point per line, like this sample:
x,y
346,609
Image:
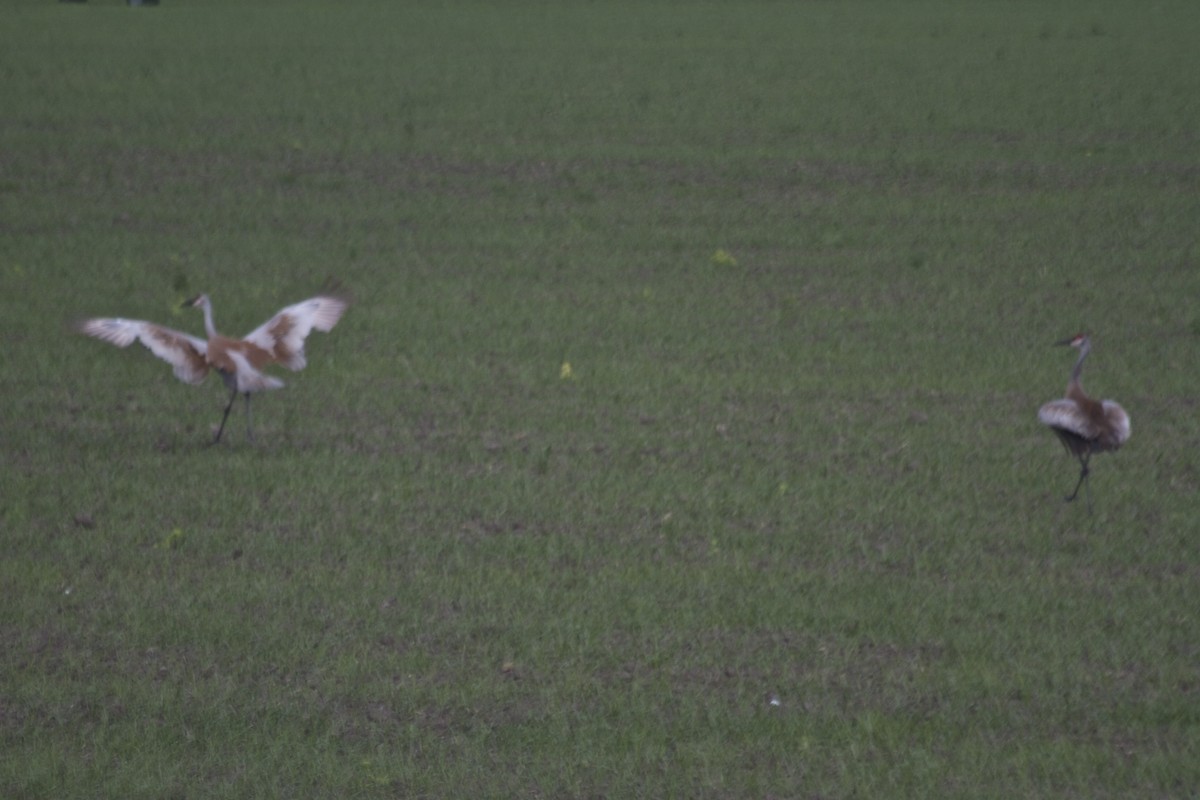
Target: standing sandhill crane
x,y
1084,425
239,361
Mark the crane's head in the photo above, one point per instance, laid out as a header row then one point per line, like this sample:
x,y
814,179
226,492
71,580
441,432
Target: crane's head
x,y
199,301
1076,341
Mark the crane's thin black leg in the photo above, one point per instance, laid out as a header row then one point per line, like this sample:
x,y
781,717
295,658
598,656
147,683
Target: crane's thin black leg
x,y
232,397
249,427
1087,483
1083,474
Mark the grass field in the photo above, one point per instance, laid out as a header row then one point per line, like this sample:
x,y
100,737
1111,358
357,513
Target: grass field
x,y
804,261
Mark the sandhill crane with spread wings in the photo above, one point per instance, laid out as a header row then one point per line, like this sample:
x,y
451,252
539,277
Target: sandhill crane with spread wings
x,y
1084,425
239,361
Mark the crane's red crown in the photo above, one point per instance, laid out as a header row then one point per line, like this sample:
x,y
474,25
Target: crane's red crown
x,y
1074,341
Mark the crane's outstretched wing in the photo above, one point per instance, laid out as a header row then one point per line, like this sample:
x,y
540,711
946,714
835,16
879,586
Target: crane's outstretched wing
x,y
1066,415
1118,421
183,352
283,335
1080,431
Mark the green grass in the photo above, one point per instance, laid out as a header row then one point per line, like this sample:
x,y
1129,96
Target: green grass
x,y
808,468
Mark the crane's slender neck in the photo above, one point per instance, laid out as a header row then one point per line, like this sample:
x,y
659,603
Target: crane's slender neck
x,y
209,328
1077,370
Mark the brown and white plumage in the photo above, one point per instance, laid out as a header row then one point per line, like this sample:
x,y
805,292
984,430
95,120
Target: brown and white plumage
x,y
1083,425
183,352
239,361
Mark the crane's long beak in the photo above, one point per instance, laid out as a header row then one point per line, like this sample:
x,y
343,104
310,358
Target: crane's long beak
x,y
191,301
1064,342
